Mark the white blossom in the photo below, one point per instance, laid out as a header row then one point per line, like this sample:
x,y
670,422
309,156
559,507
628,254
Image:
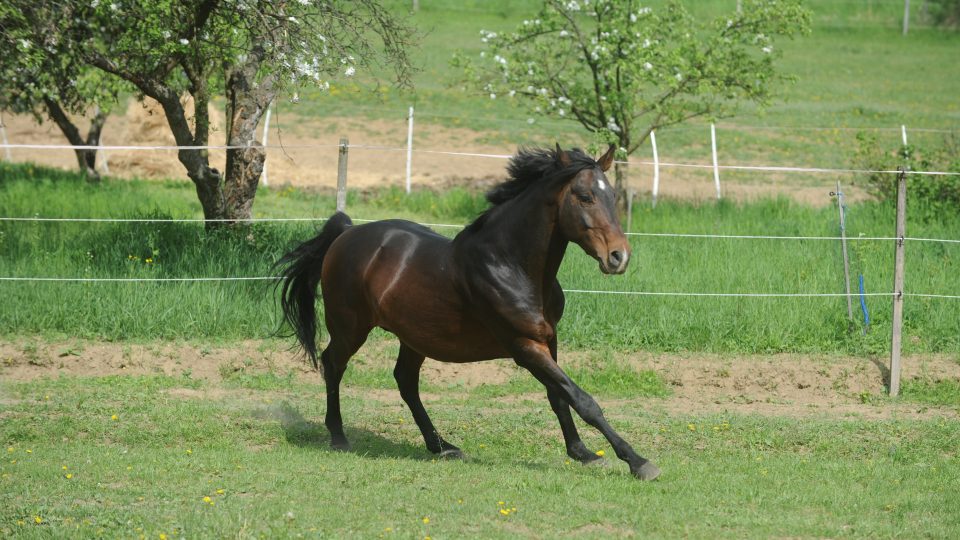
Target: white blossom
x,y
184,41
493,96
768,49
564,33
350,71
647,66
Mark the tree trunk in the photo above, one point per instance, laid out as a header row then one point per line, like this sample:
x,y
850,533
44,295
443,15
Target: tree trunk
x,y
86,159
247,101
207,179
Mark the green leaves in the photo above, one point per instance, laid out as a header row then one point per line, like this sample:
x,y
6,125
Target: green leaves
x,y
621,69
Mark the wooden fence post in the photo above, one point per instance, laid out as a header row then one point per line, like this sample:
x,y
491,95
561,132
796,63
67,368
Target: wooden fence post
x,y
896,338
342,175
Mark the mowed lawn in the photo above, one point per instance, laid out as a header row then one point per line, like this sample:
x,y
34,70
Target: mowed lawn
x,y
247,456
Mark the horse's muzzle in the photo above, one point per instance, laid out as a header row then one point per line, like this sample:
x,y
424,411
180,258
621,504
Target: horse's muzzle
x,y
616,262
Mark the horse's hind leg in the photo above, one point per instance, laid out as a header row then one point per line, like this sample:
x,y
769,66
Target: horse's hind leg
x,y
334,359
571,437
407,374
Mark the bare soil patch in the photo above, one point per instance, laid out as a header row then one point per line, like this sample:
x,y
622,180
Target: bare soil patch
x,y
309,153
778,385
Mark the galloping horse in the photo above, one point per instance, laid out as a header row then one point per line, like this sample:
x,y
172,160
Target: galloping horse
x,y
491,292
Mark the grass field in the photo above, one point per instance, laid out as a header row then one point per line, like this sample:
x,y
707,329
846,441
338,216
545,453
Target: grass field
x,y
241,310
126,456
199,449
854,71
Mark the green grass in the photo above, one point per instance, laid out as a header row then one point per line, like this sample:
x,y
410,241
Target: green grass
x,y
215,311
261,456
855,70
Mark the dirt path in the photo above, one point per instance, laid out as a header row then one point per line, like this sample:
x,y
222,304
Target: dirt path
x,y
309,157
778,385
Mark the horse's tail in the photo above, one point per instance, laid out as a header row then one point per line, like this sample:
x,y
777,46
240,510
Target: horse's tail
x,y
300,276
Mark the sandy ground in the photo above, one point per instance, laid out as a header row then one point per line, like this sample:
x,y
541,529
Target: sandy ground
x,y
309,154
790,385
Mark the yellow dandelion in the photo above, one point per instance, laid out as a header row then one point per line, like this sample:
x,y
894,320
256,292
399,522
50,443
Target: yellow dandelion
x,y
114,417
21,522
37,519
163,536
221,491
207,500
426,520
692,427
600,453
63,467
189,451
29,451
387,529
68,476
10,449
501,503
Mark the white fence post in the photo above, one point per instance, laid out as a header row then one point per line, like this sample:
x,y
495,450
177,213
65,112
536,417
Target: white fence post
x,y
716,166
409,146
656,167
903,133
102,155
3,134
906,16
266,132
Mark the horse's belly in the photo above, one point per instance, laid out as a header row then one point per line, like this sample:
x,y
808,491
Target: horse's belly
x,y
446,336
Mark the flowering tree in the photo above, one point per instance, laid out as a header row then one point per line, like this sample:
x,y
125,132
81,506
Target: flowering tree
x,y
623,70
246,50
42,76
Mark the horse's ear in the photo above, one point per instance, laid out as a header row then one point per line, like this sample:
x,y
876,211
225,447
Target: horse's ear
x,y
563,157
606,160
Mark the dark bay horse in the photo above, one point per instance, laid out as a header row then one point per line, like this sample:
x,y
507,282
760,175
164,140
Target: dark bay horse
x,y
491,292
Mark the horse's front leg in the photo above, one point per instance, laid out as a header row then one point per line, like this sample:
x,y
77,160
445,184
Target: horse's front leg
x,y
535,357
571,437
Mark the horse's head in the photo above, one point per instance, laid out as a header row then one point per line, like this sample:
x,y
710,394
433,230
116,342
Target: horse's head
x,y
588,214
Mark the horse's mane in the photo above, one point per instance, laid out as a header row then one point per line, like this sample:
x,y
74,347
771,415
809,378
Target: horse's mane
x,y
529,167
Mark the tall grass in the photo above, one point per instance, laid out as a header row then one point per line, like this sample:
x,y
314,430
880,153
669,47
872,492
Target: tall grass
x,y
237,310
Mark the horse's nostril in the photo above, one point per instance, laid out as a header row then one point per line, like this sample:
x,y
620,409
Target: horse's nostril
x,y
616,258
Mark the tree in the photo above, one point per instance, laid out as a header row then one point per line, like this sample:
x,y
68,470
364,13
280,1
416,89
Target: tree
x,y
252,49
622,70
42,76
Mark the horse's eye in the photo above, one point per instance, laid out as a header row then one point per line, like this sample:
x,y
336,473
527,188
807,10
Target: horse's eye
x,y
585,197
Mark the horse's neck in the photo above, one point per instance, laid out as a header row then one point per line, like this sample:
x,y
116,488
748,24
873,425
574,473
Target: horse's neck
x,y
528,236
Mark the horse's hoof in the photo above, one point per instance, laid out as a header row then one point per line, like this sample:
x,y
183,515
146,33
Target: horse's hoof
x,y
340,446
647,471
451,453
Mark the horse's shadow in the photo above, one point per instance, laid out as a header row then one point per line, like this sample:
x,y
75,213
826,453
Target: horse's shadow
x,y
301,432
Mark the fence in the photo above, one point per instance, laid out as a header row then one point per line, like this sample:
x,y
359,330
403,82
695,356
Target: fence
x,y
900,238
